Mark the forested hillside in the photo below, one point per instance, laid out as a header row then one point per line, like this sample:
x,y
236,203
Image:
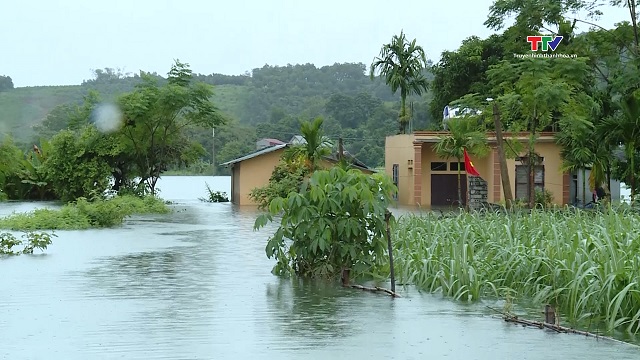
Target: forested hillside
x,y
267,103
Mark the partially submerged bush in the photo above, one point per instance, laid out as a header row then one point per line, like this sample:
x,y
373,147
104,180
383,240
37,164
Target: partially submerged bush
x,y
585,263
84,214
287,176
215,196
9,243
335,222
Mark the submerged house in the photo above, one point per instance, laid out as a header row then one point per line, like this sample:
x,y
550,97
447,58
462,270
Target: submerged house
x,y
426,180
254,170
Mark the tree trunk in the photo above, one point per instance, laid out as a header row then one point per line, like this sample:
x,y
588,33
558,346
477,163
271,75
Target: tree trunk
x,y
609,179
387,217
584,186
504,170
632,153
532,162
403,114
459,186
345,276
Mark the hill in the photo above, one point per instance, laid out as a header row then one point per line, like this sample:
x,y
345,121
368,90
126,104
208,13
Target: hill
x,y
266,103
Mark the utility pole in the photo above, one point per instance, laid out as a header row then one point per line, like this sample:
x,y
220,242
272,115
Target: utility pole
x,y
213,151
504,171
340,149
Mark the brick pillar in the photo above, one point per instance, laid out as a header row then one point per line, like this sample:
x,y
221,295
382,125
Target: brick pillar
x,y
566,180
417,174
497,180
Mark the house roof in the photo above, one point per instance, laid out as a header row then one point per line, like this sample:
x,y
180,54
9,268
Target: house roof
x,y
255,154
332,158
355,163
275,141
434,136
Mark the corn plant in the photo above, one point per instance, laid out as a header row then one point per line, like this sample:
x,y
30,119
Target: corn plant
x,y
587,264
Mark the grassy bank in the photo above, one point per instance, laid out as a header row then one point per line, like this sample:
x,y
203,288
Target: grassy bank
x,y
85,215
587,264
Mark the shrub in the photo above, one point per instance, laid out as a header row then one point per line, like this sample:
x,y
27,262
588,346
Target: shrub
x,y
34,241
215,196
335,222
83,214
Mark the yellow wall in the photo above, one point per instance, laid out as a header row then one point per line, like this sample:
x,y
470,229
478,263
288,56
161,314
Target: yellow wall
x,y
552,173
255,173
399,150
482,165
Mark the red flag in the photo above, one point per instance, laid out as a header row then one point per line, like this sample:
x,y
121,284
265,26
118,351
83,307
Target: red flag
x,y
468,165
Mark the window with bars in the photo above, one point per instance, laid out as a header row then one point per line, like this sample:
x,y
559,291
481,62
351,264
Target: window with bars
x,y
396,178
522,180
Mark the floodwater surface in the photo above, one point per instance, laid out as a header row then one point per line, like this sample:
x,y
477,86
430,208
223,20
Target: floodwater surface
x,y
196,284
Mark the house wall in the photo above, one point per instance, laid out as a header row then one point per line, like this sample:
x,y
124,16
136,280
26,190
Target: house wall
x,y
482,165
399,150
576,188
255,173
554,179
235,183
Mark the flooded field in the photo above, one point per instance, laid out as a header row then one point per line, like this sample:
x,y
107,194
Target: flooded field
x,y
196,284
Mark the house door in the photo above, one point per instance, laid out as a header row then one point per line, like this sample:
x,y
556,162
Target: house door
x,y
444,189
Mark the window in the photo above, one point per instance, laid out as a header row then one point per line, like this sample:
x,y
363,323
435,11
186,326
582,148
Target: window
x,y
396,178
455,165
438,166
522,180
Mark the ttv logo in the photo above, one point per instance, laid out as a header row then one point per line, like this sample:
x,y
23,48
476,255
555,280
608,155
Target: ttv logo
x,y
548,42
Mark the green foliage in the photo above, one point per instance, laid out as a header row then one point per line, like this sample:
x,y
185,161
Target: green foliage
x,y
402,63
6,83
286,177
584,263
335,222
78,166
215,196
34,240
83,214
155,118
23,176
463,134
544,198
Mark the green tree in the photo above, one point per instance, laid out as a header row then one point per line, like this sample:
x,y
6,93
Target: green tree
x,y
535,93
6,83
156,118
402,64
315,144
625,129
463,134
77,164
335,223
296,164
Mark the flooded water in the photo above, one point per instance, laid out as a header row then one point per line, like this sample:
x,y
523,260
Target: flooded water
x,y
196,284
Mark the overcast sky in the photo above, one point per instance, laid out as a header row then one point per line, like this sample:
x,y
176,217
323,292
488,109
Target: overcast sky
x,y
58,42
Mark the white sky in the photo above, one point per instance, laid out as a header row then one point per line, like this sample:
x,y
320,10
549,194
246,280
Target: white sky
x,y
58,42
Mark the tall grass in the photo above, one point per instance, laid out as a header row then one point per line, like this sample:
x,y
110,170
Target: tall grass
x,y
587,264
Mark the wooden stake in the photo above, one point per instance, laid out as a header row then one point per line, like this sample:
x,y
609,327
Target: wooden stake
x,y
387,217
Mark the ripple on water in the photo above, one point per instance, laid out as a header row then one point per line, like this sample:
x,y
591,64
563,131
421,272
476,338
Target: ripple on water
x,y
196,284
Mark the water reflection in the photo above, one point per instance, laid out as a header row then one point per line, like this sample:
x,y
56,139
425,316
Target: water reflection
x,y
196,284
309,309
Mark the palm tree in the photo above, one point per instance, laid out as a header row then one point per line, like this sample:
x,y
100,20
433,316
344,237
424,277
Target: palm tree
x,y
463,134
315,145
625,129
402,64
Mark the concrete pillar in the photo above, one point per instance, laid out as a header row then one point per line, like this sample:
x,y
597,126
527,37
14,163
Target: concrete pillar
x,y
566,183
417,173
